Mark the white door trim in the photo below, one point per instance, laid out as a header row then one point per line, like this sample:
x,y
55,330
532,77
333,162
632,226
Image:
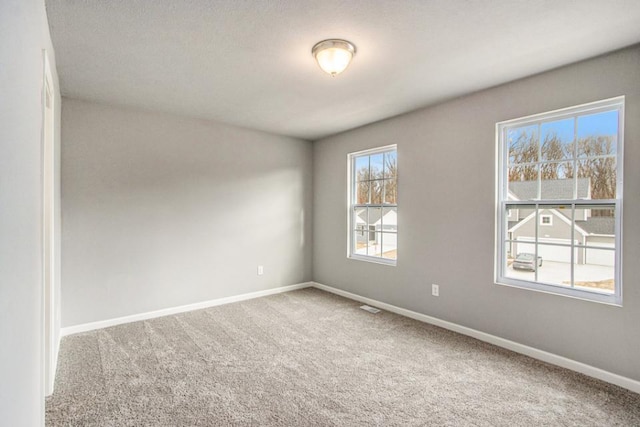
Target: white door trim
x,y
48,226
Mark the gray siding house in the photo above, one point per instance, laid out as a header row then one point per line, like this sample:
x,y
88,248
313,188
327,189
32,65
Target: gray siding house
x,y
591,233
370,225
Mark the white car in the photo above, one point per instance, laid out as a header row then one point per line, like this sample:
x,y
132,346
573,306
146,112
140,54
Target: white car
x,y
524,261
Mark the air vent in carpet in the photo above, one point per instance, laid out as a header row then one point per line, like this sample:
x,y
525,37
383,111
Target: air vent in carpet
x,y
370,309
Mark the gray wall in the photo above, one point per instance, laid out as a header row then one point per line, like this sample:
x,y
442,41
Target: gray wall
x,y
24,33
161,211
446,160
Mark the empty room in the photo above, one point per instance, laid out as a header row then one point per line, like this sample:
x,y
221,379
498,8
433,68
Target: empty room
x,y
305,213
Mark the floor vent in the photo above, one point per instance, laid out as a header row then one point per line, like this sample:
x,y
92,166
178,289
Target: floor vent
x,y
370,309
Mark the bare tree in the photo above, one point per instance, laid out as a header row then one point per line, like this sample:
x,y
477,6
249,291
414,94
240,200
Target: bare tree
x,y
391,181
377,187
522,153
363,185
595,160
599,165
377,190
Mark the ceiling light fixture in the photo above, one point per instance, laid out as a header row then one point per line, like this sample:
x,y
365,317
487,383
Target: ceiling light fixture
x,y
333,55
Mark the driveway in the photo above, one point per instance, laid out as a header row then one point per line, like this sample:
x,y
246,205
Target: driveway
x,y
559,273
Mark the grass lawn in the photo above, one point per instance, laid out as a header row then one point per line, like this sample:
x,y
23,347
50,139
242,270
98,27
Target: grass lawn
x,y
392,254
608,284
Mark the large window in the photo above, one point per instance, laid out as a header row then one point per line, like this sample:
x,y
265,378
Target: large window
x,y
560,201
373,205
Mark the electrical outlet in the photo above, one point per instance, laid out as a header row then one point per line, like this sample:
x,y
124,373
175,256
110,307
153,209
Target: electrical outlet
x,y
260,270
435,290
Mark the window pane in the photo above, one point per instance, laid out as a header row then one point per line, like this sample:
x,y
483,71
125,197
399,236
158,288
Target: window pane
x,y
377,165
523,144
375,219
511,218
360,218
554,224
390,219
518,270
595,270
557,139
362,189
510,254
390,245
595,226
391,191
597,134
374,244
554,264
523,182
377,189
512,213
391,164
362,168
597,177
360,239
595,262
520,221
556,182
360,233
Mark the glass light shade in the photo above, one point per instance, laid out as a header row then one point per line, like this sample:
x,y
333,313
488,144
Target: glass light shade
x,y
333,55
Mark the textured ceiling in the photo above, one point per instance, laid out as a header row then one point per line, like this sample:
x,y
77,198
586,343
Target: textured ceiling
x,y
249,63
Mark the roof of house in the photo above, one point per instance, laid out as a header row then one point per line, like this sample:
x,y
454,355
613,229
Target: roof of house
x,y
550,189
598,225
562,189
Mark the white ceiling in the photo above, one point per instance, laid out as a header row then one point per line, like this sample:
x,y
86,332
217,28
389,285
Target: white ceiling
x,y
249,63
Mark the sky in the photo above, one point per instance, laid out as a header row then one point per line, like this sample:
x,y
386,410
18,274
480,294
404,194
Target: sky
x,y
375,161
605,123
601,124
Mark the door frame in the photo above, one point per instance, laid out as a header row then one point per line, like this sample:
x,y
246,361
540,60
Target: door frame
x,y
49,284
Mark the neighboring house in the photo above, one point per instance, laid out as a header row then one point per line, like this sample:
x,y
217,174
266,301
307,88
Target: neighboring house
x,y
377,222
554,225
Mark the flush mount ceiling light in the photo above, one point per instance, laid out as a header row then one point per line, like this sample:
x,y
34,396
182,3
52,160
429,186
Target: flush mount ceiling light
x,y
333,55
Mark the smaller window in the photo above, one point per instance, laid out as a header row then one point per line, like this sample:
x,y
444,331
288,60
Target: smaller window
x,y
546,220
373,206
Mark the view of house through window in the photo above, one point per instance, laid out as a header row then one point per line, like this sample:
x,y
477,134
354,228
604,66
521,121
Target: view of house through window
x,y
560,201
373,207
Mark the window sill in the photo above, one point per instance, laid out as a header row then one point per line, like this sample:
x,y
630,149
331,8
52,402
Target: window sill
x,y
591,296
374,260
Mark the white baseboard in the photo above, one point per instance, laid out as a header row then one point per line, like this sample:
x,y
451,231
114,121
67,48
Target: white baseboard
x,y
535,353
85,327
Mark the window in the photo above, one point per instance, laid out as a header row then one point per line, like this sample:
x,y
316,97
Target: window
x,y
561,175
544,219
373,205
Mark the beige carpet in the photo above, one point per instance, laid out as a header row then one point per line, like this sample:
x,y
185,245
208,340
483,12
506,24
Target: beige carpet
x,y
309,358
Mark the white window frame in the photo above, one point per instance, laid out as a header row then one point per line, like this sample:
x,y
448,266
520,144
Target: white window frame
x,y
502,202
543,217
351,196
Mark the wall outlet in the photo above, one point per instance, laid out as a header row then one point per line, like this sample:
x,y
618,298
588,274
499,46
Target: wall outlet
x,y
260,270
435,290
